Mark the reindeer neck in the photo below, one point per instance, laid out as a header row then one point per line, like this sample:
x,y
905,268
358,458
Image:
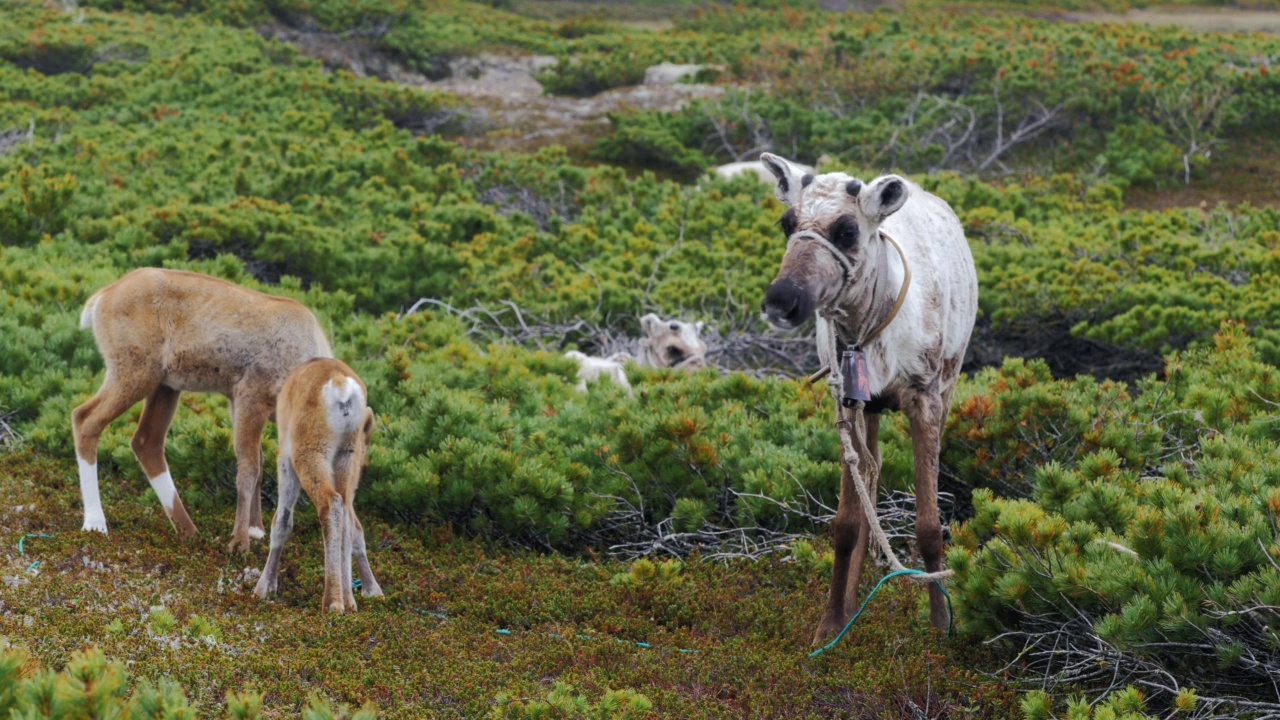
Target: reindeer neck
x,y
860,312
646,356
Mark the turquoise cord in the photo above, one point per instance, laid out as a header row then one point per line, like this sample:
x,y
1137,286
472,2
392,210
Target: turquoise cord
x,y
22,552
23,539
872,594
505,631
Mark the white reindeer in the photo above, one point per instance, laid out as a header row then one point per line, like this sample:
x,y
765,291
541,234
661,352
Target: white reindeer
x,y
590,368
164,331
840,264
665,344
325,424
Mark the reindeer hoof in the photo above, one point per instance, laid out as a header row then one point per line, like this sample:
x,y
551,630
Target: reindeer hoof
x,y
183,525
336,608
95,524
239,545
263,588
827,630
371,590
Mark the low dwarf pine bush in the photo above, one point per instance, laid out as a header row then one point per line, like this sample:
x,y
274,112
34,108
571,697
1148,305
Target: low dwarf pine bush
x,y
90,686
1143,560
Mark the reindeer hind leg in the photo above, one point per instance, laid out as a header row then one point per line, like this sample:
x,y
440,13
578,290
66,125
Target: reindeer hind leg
x,y
87,423
148,447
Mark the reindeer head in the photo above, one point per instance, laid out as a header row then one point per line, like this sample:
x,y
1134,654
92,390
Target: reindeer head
x,y
672,343
832,227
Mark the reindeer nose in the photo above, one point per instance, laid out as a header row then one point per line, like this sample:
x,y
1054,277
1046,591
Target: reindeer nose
x,y
786,303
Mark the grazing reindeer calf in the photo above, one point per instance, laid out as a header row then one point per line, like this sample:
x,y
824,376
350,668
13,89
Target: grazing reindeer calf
x,y
671,343
325,426
164,331
909,306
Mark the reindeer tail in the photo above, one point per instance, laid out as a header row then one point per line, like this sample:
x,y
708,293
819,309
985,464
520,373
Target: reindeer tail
x,y
90,309
346,404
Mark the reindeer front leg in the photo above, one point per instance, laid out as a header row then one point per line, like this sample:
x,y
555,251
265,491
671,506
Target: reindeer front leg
x,y
369,586
849,535
926,434
289,488
864,530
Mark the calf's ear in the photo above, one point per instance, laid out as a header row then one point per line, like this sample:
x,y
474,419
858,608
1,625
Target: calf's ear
x,y
649,324
883,196
790,177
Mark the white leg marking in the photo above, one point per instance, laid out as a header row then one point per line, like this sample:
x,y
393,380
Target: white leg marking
x,y
94,519
163,485
257,533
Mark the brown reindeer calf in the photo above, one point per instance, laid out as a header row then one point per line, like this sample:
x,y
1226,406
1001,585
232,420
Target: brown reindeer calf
x,y
161,332
325,426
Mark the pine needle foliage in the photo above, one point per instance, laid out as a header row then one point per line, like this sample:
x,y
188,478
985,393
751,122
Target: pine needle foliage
x,y
1156,567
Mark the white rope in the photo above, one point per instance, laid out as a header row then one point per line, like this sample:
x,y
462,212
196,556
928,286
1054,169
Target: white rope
x,y
829,353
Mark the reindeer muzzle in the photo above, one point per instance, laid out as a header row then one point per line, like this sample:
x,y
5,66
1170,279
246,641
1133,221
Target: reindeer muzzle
x,y
787,303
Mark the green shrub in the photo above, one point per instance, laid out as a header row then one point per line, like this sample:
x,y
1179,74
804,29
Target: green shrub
x,y
563,703
92,687
1154,562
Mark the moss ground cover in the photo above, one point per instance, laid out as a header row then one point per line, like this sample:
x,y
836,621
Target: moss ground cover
x,y
748,623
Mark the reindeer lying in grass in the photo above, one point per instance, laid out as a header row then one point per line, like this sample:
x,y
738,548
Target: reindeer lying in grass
x,y
325,426
913,327
164,331
665,344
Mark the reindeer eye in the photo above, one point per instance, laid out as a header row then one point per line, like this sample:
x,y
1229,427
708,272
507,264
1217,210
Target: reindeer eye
x,y
844,232
788,223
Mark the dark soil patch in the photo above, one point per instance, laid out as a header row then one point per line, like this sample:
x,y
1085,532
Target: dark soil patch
x,y
1066,355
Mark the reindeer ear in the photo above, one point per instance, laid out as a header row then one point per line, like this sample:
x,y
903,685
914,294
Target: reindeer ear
x,y
369,423
790,177
697,327
649,324
883,196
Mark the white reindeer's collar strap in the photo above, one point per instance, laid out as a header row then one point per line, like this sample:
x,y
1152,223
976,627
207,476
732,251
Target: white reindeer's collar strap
x,y
902,292
827,323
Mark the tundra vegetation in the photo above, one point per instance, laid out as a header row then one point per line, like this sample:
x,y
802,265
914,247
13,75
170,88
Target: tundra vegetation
x,y
1109,458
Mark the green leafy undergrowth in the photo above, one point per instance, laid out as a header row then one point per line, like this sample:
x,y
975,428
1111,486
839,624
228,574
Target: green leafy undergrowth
x,y
1148,547
180,143
90,686
964,86
431,647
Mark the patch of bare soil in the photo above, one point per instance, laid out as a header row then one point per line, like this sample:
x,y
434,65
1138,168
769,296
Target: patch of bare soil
x,y
502,105
1201,19
505,107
